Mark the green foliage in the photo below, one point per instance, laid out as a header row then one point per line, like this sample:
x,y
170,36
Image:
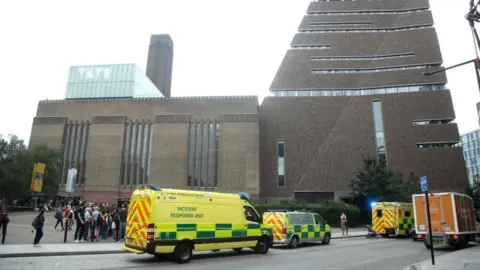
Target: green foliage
x,y
16,167
474,192
14,162
330,210
378,182
52,160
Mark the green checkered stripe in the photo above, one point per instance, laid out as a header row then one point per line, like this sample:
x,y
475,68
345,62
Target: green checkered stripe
x,y
406,224
308,231
218,230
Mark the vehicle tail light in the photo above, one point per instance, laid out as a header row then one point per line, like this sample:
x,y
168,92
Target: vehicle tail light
x,y
420,236
284,230
454,236
151,231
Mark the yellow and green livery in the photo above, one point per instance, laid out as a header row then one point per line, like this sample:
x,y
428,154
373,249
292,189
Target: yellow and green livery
x,y
293,228
176,222
392,218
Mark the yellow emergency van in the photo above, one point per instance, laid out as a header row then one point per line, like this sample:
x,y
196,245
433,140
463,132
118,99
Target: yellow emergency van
x,y
176,222
393,218
293,228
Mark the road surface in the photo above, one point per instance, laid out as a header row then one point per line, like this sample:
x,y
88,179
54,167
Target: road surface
x,y
342,254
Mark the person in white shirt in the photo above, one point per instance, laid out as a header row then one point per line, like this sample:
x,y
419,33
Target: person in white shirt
x,y
96,223
88,223
343,224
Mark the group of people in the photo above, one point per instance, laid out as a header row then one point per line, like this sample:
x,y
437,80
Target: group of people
x,y
92,221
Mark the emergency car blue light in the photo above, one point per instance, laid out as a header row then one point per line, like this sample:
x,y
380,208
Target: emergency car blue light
x,y
372,204
152,187
244,196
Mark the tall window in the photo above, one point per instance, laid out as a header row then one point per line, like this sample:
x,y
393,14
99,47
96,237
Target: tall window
x,y
203,151
281,163
75,149
379,132
137,153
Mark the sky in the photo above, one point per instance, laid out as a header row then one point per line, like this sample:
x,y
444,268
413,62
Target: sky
x,y
221,47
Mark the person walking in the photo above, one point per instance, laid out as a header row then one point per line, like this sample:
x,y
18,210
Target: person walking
x,y
58,216
38,225
343,224
4,220
80,224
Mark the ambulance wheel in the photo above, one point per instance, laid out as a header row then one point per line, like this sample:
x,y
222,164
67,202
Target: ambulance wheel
x,y
183,252
262,246
237,249
326,239
293,242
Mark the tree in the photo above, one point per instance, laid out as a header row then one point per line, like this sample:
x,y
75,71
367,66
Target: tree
x,y
14,162
411,185
375,181
474,192
52,160
16,168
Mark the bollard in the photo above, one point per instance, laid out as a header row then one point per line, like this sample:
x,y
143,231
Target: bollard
x,y
66,229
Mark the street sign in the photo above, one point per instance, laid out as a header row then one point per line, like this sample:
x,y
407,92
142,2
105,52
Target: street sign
x,y
36,184
423,183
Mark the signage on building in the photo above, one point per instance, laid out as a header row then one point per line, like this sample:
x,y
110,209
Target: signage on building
x,y
71,181
94,73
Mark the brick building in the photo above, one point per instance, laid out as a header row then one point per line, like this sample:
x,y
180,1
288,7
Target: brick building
x,y
351,85
199,143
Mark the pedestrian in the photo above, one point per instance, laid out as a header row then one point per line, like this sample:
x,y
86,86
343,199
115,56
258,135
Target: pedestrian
x,y
38,225
343,224
66,213
103,224
88,221
58,217
70,217
80,224
115,223
122,216
4,220
96,223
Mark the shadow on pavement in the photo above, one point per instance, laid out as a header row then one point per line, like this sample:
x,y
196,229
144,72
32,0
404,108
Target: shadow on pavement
x,y
149,259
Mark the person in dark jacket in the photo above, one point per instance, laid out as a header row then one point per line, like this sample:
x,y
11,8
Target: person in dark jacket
x,y
38,225
4,220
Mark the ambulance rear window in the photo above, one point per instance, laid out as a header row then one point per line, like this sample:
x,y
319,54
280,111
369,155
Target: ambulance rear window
x,y
379,213
407,213
300,219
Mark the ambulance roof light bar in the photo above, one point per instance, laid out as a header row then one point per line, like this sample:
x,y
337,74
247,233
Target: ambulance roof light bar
x,y
244,196
151,187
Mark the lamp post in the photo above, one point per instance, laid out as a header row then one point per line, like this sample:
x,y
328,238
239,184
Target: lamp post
x,y
474,61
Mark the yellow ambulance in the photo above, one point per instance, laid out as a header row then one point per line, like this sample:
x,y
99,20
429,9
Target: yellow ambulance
x,y
176,222
393,218
293,228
